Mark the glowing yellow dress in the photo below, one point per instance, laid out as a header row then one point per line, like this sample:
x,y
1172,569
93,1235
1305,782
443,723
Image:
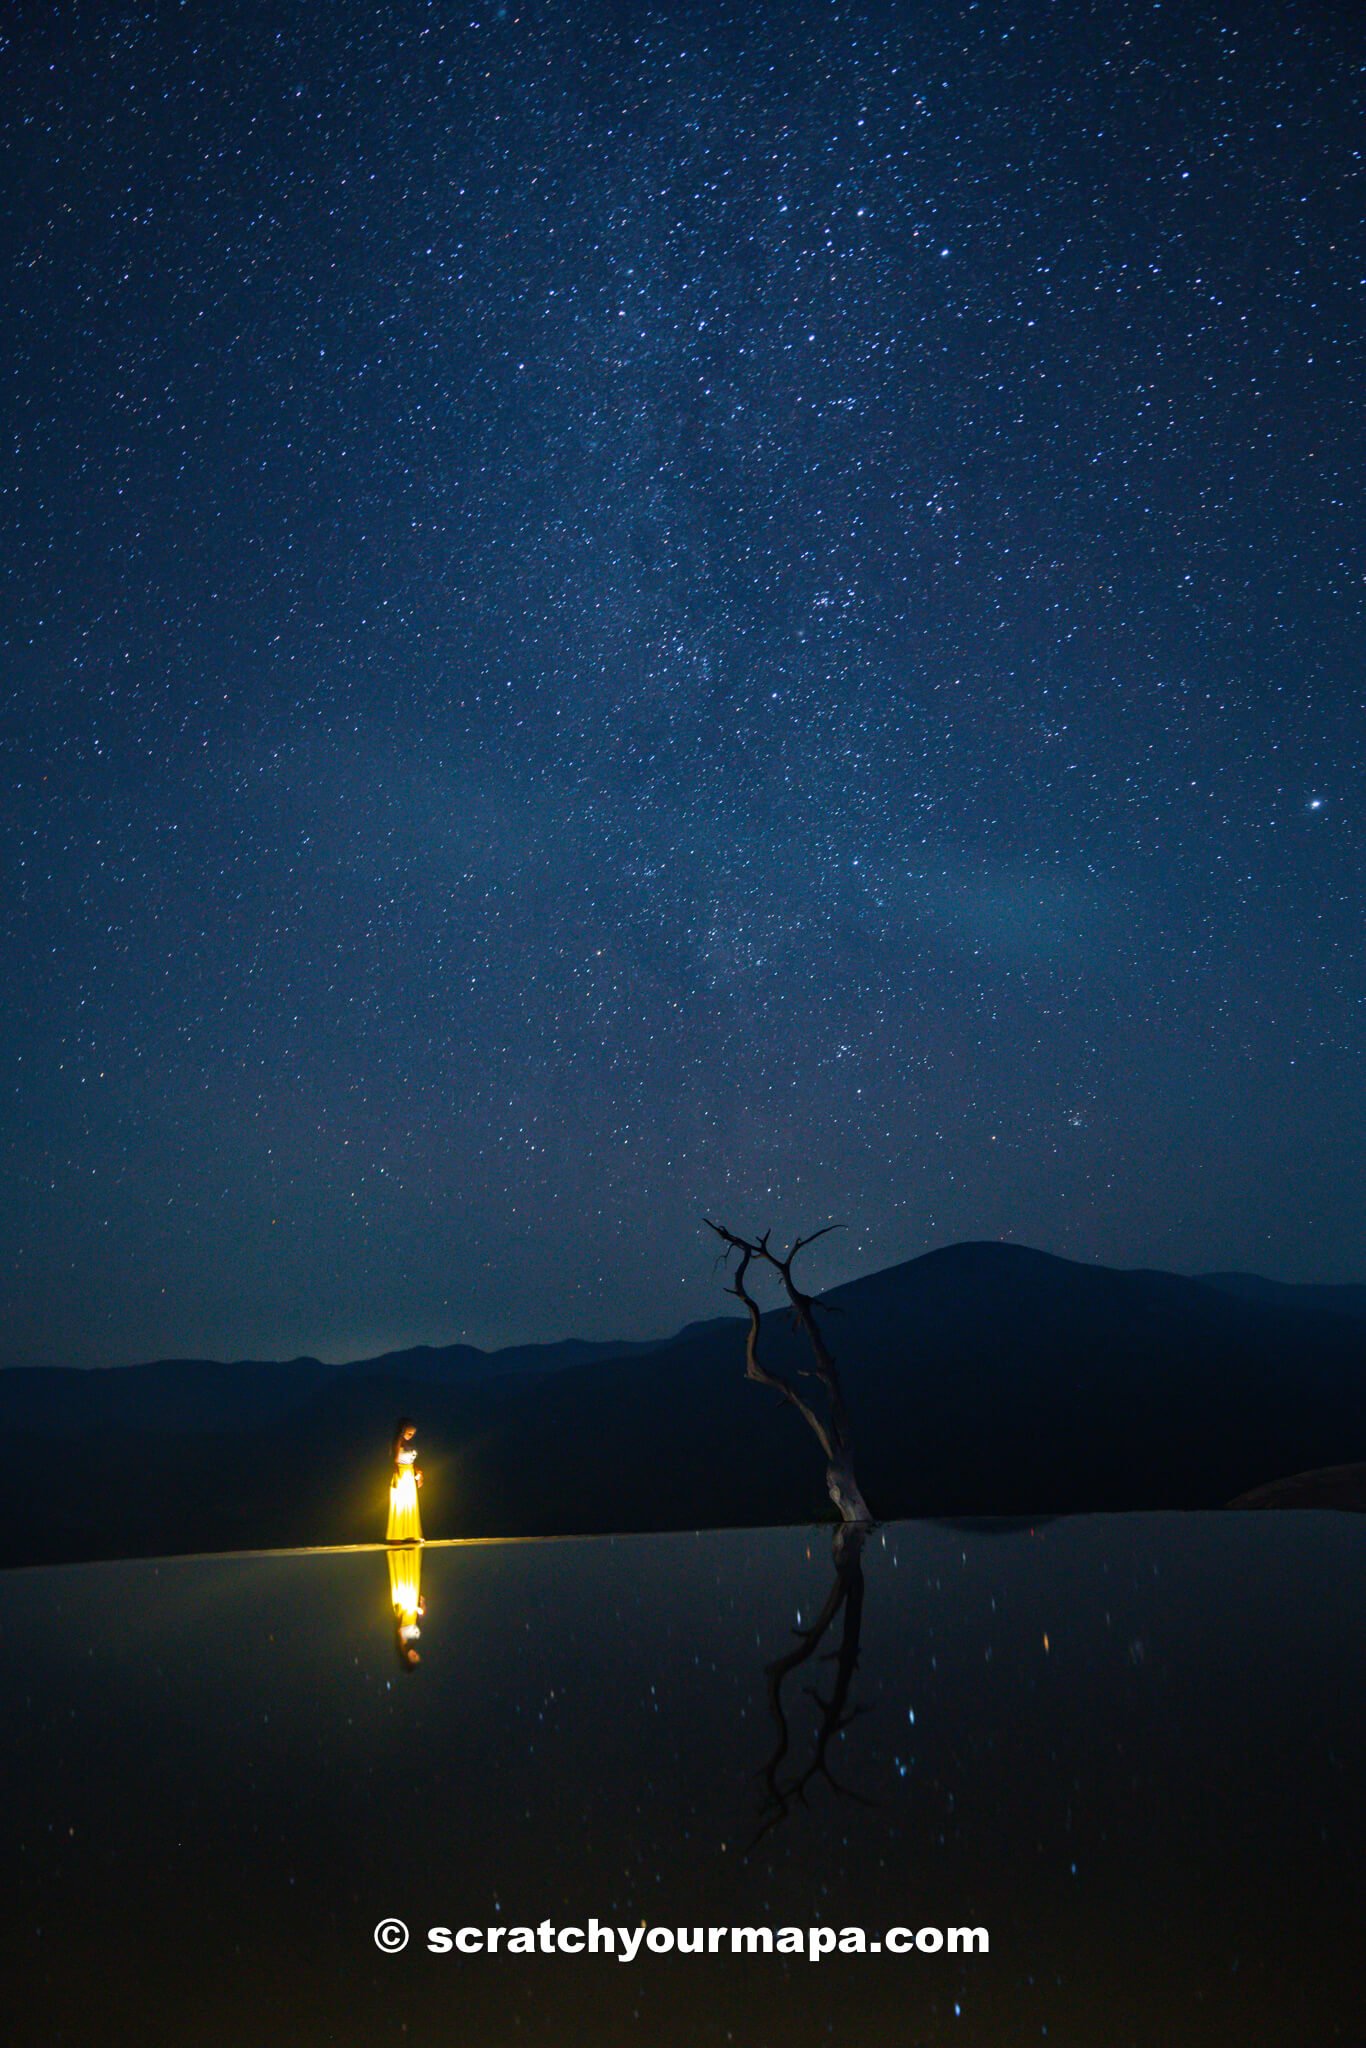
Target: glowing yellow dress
x,y
405,1523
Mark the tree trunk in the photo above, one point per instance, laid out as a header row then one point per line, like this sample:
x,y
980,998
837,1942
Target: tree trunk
x,y
843,1489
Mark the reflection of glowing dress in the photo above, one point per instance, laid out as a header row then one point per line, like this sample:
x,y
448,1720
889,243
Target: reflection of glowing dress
x,y
405,1590
405,1523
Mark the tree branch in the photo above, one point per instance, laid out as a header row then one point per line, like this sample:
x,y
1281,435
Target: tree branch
x,y
754,1370
840,1481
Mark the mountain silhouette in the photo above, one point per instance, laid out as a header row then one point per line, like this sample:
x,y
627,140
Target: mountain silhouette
x,y
983,1379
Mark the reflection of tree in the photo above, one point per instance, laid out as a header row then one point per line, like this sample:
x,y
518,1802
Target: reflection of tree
x,y
836,1714
405,1593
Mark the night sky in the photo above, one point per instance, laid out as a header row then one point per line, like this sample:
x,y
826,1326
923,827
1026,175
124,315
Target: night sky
x,y
616,612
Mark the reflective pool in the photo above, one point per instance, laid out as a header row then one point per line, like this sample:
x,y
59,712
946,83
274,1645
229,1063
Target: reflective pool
x,y
1129,1747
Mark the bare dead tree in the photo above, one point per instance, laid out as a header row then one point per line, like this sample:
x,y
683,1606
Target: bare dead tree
x,y
832,1434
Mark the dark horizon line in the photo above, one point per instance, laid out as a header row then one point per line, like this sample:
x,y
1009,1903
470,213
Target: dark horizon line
x,y
723,1313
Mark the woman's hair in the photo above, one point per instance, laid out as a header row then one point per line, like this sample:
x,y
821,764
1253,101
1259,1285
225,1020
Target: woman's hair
x,y
401,1427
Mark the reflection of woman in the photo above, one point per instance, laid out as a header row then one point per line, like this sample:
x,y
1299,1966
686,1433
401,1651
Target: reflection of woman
x,y
405,1523
405,1591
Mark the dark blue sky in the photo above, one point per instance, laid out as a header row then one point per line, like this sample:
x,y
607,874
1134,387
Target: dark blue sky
x,y
612,612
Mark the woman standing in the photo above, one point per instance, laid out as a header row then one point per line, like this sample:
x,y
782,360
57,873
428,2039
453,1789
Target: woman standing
x,y
405,1523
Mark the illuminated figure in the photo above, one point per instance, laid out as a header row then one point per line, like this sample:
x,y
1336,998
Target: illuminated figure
x,y
405,1590
405,1523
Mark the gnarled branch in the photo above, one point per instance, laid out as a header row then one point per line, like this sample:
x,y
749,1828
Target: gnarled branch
x,y
833,1436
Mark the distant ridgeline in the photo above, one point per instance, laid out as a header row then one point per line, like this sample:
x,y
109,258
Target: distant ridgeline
x,y
984,1379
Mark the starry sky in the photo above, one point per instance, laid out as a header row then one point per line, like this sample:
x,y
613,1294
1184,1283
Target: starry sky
x,y
611,612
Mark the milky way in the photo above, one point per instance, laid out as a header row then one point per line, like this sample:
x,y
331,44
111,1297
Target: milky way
x,y
611,613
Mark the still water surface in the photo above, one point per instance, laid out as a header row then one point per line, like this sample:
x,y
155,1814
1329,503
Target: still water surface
x,y
1129,1747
